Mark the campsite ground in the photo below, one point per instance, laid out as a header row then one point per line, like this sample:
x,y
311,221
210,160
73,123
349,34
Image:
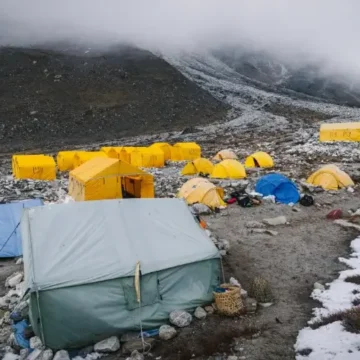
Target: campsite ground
x,y
57,102
303,252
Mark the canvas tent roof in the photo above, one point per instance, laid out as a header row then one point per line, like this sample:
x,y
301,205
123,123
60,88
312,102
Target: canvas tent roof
x,y
10,216
103,240
96,166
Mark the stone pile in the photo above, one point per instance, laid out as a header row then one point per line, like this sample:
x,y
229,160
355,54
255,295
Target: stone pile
x,y
52,191
168,180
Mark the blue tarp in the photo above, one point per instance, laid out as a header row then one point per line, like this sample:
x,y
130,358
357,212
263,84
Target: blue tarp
x,y
19,329
284,190
10,216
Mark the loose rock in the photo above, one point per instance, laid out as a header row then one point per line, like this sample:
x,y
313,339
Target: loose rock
x,y
250,305
180,318
135,355
200,313
209,309
346,224
201,209
252,224
86,351
280,220
167,332
24,353
319,286
11,356
266,304
137,345
35,343
62,355
109,345
264,231
223,244
14,279
270,199
47,354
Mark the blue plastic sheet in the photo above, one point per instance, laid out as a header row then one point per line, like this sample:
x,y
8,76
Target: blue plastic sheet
x,y
19,329
10,216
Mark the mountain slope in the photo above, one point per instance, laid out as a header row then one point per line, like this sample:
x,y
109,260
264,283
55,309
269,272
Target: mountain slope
x,y
281,77
55,97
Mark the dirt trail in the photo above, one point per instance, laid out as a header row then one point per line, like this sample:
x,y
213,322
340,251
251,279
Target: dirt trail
x,y
302,253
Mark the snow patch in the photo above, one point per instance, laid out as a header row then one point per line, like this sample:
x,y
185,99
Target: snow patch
x,y
332,341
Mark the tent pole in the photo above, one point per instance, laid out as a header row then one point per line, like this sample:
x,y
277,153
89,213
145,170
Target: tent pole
x,y
222,271
138,298
33,280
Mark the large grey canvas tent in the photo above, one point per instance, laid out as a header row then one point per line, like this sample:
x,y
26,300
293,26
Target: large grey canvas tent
x,y
80,260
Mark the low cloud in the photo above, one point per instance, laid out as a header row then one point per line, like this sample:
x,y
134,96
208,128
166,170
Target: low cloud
x,y
298,30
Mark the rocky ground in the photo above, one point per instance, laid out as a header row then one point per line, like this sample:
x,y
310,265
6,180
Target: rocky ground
x,y
291,257
73,95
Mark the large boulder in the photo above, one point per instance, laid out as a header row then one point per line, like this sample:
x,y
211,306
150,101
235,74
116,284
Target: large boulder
x,y
180,318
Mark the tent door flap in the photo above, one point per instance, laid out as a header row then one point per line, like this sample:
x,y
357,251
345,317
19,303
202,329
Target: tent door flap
x,y
149,291
132,186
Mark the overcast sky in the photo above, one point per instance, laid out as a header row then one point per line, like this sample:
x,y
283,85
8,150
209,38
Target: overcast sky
x,y
322,29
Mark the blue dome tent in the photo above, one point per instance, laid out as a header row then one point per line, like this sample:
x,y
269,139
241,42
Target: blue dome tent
x,y
10,216
284,190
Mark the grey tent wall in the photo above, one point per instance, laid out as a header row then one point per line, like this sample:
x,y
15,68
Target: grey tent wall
x,y
75,316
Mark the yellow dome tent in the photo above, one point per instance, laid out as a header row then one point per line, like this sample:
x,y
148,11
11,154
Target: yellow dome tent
x,y
65,160
197,166
82,157
229,169
200,190
35,167
165,147
106,178
225,154
259,159
330,177
147,157
185,151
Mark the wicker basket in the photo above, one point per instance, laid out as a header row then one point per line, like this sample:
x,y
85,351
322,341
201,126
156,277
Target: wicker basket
x,y
229,303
